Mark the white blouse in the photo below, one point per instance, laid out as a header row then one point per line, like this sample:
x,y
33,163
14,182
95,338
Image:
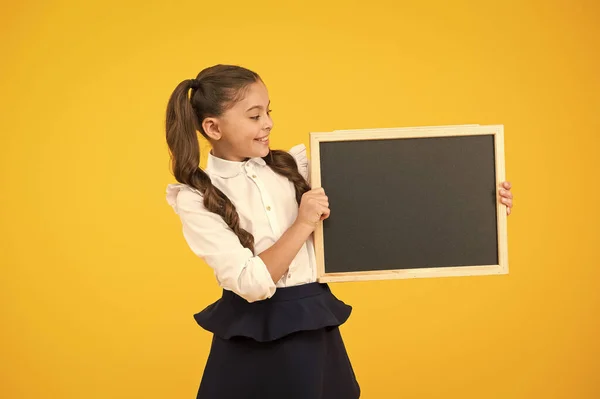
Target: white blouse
x,y
266,204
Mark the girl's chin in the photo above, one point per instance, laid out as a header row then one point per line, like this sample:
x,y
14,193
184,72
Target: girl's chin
x,y
261,149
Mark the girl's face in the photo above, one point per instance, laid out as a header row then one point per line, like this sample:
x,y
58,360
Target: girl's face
x,y
243,130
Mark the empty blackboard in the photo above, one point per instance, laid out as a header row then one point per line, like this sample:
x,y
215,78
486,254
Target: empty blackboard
x,y
410,202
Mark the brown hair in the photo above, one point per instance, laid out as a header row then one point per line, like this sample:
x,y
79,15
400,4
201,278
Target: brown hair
x,y
212,92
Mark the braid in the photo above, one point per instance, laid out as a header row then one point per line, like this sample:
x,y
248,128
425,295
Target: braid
x,y
217,202
283,163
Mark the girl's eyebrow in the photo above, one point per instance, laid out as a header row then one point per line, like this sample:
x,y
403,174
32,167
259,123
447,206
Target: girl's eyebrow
x,y
257,106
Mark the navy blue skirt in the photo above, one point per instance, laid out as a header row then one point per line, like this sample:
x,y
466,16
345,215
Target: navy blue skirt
x,y
288,346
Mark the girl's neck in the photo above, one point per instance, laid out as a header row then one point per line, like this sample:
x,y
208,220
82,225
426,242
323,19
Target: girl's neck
x,y
215,153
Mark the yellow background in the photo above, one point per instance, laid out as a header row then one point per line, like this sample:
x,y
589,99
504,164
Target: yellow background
x,y
97,284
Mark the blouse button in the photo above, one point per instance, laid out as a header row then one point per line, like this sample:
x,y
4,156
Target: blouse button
x,y
254,176
268,208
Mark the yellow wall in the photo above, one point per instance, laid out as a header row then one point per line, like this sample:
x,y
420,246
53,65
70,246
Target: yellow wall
x,y
97,285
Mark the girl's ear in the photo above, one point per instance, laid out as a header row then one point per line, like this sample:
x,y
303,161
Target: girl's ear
x,y
211,128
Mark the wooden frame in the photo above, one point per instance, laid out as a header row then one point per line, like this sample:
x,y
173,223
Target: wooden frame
x,y
413,132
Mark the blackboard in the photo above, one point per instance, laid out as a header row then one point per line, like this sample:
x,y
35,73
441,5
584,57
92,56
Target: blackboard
x,y
410,202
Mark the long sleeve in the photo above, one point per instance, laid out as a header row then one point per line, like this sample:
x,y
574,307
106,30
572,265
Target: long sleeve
x,y
236,268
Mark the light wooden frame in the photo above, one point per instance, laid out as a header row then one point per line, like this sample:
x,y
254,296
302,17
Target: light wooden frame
x,y
413,132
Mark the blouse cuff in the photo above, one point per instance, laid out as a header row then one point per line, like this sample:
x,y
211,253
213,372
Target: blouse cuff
x,y
255,282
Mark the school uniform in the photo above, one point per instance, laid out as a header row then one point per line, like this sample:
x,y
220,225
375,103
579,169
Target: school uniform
x,y
270,340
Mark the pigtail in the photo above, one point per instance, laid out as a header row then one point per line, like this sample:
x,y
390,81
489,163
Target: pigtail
x,y
284,164
182,124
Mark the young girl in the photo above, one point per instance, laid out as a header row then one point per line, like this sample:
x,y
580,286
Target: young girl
x,y
250,215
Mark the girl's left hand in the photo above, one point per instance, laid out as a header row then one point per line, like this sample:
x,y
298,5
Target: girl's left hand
x,y
506,196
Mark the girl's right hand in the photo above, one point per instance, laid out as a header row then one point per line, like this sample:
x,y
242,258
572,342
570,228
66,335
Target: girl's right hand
x,y
314,207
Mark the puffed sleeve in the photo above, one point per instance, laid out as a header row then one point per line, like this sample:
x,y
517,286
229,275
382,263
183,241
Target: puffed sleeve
x,y
236,268
299,154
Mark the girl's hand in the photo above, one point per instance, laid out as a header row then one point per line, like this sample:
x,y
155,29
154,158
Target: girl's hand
x,y
314,207
506,196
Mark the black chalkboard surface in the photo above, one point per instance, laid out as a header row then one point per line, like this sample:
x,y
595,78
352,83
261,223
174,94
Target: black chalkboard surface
x,y
410,202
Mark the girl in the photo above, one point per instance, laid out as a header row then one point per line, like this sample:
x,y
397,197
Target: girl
x,y
250,215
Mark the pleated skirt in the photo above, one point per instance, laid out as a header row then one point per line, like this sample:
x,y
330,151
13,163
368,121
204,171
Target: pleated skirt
x,y
285,347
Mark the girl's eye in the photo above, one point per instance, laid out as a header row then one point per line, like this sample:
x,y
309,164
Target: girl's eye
x,y
257,117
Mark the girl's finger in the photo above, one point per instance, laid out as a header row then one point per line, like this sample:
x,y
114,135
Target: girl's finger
x,y
316,195
325,212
